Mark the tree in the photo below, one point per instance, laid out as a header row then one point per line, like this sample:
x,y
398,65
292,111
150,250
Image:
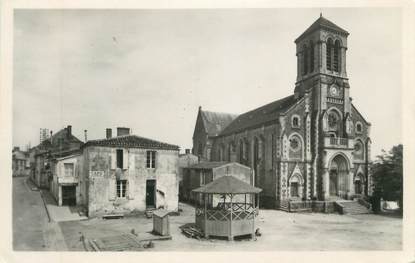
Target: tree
x,y
387,174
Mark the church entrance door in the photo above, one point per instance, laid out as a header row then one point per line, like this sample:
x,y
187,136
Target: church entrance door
x,y
333,182
339,177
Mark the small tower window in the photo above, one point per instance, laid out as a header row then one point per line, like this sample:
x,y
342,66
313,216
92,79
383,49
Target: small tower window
x,y
358,127
328,53
295,122
200,149
305,60
311,56
336,64
241,152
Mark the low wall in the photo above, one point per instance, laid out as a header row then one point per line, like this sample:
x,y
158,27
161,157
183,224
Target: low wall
x,y
308,206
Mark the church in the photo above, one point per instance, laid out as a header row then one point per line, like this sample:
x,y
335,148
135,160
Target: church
x,y
311,146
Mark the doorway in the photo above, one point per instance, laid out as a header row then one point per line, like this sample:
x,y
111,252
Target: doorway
x,y
333,182
338,182
151,193
358,184
69,195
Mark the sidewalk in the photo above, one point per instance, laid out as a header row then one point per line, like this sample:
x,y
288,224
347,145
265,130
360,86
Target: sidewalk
x,y
60,213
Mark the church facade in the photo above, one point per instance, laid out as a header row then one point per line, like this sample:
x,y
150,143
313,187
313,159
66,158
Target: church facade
x,y
311,145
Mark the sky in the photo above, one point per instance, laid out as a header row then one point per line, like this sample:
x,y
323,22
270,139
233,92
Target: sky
x,y
150,70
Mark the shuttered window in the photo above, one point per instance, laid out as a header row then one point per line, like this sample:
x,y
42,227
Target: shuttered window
x,y
120,158
151,159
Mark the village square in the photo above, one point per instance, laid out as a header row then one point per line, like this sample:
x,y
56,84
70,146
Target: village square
x,y
293,174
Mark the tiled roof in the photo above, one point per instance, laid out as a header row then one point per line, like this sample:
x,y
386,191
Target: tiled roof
x,y
131,141
227,185
322,23
215,122
62,134
259,116
207,165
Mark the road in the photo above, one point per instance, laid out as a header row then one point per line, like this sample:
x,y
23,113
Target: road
x,y
29,217
32,230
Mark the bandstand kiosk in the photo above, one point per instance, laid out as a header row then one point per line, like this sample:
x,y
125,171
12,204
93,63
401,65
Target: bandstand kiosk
x,y
227,207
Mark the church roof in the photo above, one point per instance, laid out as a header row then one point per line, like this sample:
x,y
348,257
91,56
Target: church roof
x,y
131,141
207,165
260,116
215,122
227,185
322,23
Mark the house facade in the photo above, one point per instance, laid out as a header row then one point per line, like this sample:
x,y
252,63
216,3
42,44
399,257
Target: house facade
x,y
128,173
20,162
56,145
185,160
65,185
311,145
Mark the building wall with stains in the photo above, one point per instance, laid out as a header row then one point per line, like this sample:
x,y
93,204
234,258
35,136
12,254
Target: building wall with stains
x,y
101,174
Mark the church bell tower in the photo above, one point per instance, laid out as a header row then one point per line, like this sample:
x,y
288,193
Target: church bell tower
x,y
321,57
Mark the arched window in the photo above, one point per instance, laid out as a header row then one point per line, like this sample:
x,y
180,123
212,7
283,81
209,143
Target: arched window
x,y
220,154
295,183
328,53
358,127
358,150
295,122
336,56
241,152
200,149
305,60
311,56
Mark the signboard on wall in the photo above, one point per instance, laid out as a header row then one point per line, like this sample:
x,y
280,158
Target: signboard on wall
x,y
96,173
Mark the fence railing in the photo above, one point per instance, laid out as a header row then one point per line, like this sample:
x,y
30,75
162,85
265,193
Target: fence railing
x,y
336,141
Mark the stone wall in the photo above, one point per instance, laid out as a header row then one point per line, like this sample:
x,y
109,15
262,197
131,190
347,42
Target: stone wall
x,y
102,175
228,148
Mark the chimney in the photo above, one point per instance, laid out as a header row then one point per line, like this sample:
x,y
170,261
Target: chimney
x,y
51,134
85,135
123,131
109,133
187,151
69,131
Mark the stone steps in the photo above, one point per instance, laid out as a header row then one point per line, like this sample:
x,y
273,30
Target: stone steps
x,y
353,208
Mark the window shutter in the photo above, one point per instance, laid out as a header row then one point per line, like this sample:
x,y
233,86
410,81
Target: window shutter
x,y
113,159
112,190
125,159
130,189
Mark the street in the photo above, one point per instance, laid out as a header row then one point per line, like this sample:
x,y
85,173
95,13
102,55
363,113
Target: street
x,y
29,217
32,230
